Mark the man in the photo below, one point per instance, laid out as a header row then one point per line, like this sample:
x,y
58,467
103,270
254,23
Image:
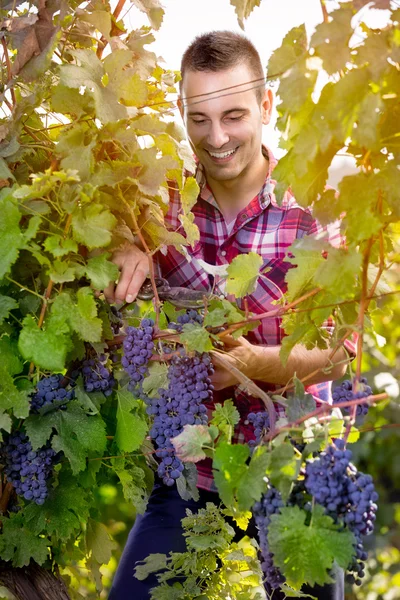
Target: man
x,y
224,104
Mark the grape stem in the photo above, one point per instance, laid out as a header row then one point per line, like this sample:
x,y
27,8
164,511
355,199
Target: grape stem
x,y
326,408
114,30
5,497
269,314
147,250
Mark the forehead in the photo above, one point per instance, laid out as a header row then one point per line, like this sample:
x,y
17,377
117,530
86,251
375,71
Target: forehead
x,y
208,91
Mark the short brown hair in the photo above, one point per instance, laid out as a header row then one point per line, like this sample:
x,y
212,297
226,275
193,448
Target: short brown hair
x,y
222,50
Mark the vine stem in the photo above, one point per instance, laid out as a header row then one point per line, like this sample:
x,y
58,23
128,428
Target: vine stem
x,y
325,13
103,41
9,69
277,312
5,497
22,287
326,408
149,253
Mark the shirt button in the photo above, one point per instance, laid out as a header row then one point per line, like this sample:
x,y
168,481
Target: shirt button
x,y
223,252
244,217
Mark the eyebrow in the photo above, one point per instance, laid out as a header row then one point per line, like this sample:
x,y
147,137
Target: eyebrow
x,y
226,112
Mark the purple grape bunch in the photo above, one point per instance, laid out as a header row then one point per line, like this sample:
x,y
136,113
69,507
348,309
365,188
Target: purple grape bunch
x,y
26,469
189,385
270,504
347,495
344,392
51,392
138,347
96,376
190,316
260,422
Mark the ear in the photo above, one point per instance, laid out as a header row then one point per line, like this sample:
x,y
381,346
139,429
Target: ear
x,y
180,106
266,106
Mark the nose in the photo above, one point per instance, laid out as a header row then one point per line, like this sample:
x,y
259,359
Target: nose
x,y
217,136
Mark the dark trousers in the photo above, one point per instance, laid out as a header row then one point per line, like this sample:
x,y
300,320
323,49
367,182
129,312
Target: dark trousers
x,y
159,530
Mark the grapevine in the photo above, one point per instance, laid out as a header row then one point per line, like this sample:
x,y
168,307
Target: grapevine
x,y
97,401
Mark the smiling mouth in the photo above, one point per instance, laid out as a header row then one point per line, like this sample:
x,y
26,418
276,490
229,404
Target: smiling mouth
x,y
222,155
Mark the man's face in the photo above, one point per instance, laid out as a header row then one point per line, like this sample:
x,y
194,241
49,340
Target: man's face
x,y
224,127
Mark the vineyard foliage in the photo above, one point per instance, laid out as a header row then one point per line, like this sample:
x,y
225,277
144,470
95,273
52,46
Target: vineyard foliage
x,y
88,144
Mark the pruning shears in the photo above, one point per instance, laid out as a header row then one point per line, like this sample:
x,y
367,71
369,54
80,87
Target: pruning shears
x,y
178,296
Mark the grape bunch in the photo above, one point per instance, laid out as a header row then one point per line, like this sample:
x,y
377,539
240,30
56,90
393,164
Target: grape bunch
x,y
138,348
260,422
26,469
189,385
51,392
347,495
269,505
190,316
96,376
344,392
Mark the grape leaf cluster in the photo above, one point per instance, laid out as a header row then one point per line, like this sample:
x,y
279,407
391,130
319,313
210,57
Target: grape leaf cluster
x,y
347,495
26,469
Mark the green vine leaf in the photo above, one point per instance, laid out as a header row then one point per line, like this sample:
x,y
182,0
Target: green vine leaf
x,y
7,304
77,433
60,516
90,74
196,338
47,347
305,553
101,271
99,542
131,427
225,417
235,479
92,226
243,274
12,238
19,545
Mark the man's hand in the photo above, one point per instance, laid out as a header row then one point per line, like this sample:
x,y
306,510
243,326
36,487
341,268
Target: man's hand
x,y
263,363
134,268
240,354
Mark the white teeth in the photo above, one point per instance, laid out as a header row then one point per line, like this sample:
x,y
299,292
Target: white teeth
x,y
222,154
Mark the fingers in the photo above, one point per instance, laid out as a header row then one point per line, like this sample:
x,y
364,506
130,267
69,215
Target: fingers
x,y
134,268
130,282
228,340
109,293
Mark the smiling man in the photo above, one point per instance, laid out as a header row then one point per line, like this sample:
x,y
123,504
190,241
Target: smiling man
x,y
224,105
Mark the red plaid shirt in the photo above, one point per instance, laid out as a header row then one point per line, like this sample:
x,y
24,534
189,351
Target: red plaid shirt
x,y
262,227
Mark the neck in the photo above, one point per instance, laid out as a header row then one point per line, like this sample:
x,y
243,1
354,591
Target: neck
x,y
234,195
